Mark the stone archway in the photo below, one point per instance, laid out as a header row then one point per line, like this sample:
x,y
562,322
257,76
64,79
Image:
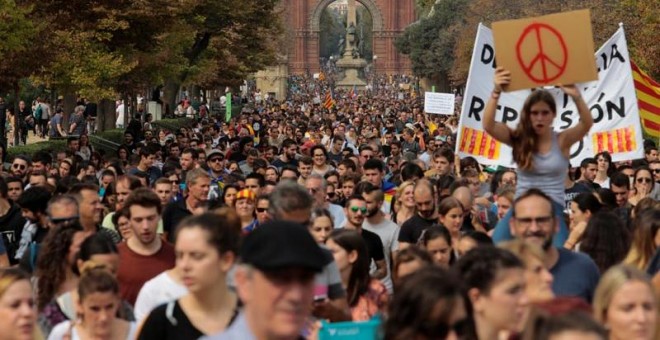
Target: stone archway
x,y
376,15
390,18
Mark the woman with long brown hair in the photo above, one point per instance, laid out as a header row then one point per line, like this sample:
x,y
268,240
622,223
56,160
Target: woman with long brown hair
x,y
54,267
540,153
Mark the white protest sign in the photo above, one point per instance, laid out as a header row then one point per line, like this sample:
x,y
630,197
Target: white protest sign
x,y
316,75
611,100
440,103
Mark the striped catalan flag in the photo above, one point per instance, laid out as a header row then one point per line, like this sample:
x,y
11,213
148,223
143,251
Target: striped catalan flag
x,y
329,102
615,141
479,143
648,99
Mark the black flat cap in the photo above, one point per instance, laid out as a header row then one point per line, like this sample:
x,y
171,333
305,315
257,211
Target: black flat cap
x,y
282,244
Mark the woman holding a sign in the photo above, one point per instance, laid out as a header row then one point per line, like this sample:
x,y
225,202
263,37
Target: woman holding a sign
x,y
541,153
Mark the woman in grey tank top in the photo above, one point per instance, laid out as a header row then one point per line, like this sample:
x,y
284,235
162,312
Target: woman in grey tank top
x,y
540,153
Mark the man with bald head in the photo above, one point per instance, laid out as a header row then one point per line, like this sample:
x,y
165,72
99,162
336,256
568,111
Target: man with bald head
x,y
477,217
426,216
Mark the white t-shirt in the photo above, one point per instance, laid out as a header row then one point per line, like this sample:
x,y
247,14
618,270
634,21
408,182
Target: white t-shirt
x,y
120,116
63,328
388,232
155,292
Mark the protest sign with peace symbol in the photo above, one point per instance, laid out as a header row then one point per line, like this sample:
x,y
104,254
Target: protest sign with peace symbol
x,y
547,50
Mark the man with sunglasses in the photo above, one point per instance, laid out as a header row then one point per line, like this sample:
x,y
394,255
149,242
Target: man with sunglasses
x,y
356,211
533,221
215,161
20,167
655,170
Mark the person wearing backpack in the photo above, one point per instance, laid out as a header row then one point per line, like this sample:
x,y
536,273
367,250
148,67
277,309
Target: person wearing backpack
x,y
42,117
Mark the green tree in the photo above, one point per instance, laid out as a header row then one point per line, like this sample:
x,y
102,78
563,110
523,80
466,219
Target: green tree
x,y
20,48
430,41
640,19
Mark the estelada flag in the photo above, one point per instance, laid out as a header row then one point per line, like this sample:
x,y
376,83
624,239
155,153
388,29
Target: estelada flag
x,y
648,99
321,76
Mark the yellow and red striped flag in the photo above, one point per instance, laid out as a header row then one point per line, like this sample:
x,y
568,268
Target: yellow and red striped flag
x,y
648,99
329,102
479,143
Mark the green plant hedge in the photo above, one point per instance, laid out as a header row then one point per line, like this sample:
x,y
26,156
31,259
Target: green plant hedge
x,y
114,135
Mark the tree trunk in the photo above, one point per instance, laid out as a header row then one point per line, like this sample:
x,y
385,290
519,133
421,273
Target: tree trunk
x,y
126,100
169,97
106,114
68,105
18,121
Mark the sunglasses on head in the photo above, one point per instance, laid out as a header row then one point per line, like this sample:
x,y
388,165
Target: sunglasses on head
x,y
63,221
360,209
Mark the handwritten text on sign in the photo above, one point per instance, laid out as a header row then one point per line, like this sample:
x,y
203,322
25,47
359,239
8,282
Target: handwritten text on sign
x,y
440,103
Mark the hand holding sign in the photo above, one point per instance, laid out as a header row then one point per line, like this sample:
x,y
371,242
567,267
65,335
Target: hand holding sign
x,y
546,50
502,79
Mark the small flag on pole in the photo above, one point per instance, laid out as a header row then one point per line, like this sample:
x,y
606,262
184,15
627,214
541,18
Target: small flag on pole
x,y
329,101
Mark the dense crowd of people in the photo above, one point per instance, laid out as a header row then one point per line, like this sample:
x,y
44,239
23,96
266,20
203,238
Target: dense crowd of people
x,y
303,214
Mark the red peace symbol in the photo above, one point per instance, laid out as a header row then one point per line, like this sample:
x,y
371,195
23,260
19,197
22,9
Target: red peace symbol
x,y
542,68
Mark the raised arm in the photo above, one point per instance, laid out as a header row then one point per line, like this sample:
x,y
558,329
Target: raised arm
x,y
498,130
577,132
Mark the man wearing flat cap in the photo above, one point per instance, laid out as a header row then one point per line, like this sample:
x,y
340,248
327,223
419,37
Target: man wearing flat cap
x,y
275,282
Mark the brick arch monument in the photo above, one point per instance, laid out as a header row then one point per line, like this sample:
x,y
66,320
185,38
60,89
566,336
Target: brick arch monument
x,y
390,18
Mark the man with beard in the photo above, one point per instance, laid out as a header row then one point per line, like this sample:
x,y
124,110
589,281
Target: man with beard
x,y
33,203
376,222
288,156
20,167
356,210
588,170
425,217
533,221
